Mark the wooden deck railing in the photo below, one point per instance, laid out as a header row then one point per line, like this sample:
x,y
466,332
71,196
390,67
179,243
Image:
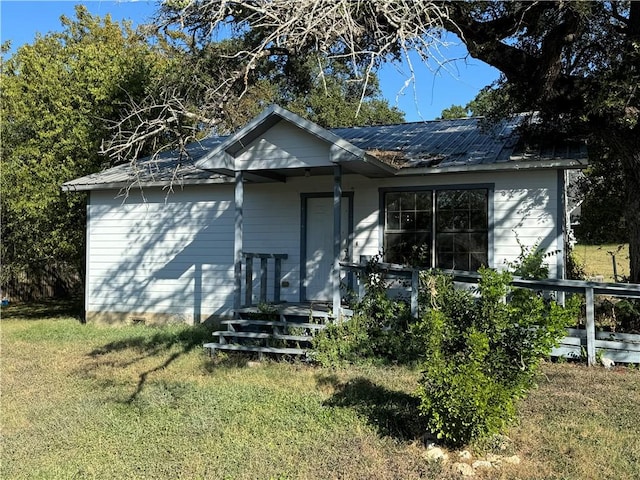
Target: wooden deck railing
x,y
263,278
588,289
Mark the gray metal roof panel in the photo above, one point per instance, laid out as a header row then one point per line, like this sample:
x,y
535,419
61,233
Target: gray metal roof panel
x,y
164,168
448,143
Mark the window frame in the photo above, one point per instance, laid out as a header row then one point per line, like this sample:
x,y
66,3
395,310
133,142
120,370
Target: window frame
x,y
489,187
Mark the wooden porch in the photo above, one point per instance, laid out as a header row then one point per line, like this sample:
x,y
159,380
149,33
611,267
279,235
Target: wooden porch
x,y
282,329
266,325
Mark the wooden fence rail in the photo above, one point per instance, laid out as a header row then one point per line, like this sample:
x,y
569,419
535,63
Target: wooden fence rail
x,y
51,281
588,289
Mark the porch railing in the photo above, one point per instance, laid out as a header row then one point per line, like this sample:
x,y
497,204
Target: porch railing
x,y
588,289
263,277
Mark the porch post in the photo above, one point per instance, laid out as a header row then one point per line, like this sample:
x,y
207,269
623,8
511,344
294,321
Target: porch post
x,y
237,242
337,222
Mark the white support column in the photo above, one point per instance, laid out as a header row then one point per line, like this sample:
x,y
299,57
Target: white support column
x,y
337,246
237,241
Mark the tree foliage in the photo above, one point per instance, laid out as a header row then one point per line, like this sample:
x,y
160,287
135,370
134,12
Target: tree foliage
x,y
234,61
57,95
63,94
453,112
483,355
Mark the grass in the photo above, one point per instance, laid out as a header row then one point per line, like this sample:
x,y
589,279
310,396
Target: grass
x,y
84,401
597,260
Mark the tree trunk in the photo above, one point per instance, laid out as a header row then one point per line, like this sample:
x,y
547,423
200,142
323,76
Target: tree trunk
x,y
625,145
633,222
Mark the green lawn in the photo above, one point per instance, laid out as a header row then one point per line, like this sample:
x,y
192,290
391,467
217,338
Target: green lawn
x,y
83,401
598,260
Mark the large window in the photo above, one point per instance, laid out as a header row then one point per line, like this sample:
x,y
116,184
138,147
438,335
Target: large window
x,y
437,228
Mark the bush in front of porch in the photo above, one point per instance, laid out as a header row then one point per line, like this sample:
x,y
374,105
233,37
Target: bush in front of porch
x,y
479,353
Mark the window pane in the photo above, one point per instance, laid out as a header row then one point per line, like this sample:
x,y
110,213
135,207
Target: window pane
x,y
452,199
423,201
461,221
444,261
395,245
445,221
393,220
408,221
478,259
444,241
478,242
408,201
478,220
461,261
423,221
392,202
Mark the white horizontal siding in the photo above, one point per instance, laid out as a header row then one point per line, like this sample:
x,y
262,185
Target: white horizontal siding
x,y
272,225
174,254
170,254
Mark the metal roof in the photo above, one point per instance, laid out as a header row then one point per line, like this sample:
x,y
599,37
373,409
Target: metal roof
x,y
412,148
441,144
164,169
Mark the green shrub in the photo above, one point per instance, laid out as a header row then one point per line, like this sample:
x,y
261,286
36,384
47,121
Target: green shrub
x,y
343,343
377,332
482,353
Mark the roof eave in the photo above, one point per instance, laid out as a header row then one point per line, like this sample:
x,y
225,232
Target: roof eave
x,y
85,187
497,167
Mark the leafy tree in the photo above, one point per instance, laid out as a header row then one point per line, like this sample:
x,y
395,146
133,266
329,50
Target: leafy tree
x,y
576,63
453,112
330,97
602,218
58,94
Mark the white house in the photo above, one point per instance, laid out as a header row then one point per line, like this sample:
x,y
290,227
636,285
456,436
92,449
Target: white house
x,y
448,194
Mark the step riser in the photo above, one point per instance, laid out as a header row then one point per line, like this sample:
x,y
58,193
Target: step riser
x,y
249,326
264,336
212,347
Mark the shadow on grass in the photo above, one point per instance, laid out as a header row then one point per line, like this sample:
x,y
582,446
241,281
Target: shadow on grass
x,y
394,414
43,310
163,341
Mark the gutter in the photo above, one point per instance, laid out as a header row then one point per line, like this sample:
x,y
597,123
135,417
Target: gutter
x,y
496,167
85,187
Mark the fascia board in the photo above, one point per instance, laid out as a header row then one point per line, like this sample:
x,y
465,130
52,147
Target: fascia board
x,y
120,185
496,167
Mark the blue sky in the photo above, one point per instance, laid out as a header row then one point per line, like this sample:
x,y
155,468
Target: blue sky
x,y
434,90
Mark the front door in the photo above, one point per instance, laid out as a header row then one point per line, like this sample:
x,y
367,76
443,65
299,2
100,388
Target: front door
x,y
318,243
